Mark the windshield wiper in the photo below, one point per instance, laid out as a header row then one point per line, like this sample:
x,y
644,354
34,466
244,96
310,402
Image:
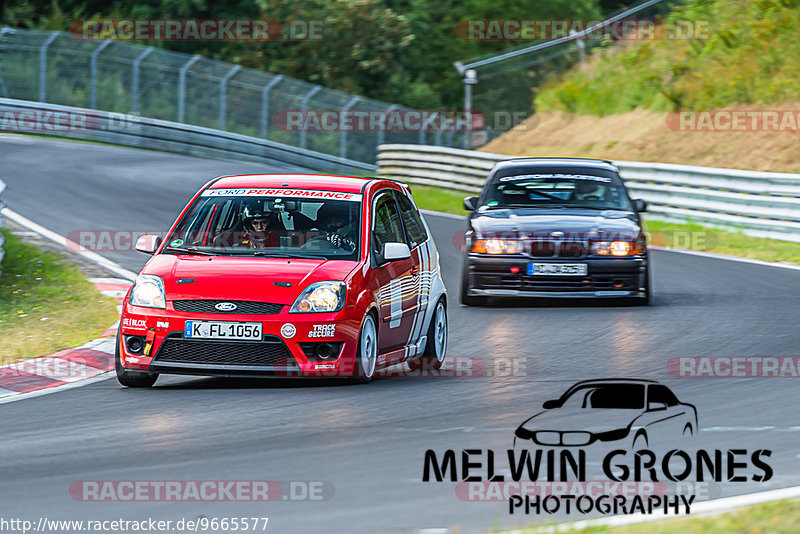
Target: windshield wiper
x,y
527,206
604,208
191,250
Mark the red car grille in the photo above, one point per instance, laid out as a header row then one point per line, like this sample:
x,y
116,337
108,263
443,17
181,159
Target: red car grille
x,y
270,351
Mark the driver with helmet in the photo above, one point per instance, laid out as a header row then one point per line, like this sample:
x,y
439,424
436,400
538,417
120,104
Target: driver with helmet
x,y
260,225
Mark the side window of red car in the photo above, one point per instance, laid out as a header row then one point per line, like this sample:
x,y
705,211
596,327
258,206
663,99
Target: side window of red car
x,y
415,229
386,226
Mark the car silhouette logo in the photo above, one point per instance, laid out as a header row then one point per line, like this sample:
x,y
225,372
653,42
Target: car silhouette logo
x,y
639,412
226,306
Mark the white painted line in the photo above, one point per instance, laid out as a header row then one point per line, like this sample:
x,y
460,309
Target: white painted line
x,y
119,281
726,257
103,344
712,507
443,214
737,429
69,385
55,369
114,294
66,243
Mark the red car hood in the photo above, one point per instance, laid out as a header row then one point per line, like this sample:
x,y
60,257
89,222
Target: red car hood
x,y
233,278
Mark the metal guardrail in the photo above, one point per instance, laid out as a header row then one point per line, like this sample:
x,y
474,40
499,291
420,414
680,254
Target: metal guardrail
x,y
118,76
2,238
141,132
762,204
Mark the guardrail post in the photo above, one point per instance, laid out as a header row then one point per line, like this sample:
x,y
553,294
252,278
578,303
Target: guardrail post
x,y
265,104
422,131
3,31
303,108
343,134
223,94
93,74
135,83
382,131
43,66
182,86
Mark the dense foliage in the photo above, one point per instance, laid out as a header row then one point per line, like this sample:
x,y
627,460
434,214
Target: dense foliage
x,y
394,50
747,53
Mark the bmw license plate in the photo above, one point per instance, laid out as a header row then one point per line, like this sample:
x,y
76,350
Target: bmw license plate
x,y
557,269
222,330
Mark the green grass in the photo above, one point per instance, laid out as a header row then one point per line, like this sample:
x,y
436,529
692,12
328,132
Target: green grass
x,y
687,236
747,53
696,237
438,199
778,517
46,304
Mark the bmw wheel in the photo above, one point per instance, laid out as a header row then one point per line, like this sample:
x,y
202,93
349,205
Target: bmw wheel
x,y
466,298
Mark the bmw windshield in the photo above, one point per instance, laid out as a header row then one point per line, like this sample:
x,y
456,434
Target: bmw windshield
x,y
612,396
292,223
572,188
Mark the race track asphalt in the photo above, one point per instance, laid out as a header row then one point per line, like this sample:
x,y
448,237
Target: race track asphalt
x,y
368,442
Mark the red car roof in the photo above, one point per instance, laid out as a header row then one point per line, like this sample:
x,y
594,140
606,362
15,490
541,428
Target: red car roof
x,y
324,182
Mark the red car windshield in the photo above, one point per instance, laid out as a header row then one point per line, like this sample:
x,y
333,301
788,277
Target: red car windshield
x,y
273,226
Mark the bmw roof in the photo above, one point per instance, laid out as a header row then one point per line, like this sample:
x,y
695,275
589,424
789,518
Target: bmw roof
x,y
557,162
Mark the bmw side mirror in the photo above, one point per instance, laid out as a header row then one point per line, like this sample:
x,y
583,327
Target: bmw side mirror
x,y
639,205
395,251
656,406
148,243
549,405
471,203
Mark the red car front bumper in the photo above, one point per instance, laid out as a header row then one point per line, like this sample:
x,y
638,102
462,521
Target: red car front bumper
x,y
289,346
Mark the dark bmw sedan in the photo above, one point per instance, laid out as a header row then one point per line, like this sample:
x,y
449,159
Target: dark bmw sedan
x,y
555,227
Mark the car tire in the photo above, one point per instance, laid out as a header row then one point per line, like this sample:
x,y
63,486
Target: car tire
x,y
132,379
436,345
465,298
647,298
648,293
367,353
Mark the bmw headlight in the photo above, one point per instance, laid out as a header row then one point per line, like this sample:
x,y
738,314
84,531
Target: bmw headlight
x,y
320,297
148,291
617,248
